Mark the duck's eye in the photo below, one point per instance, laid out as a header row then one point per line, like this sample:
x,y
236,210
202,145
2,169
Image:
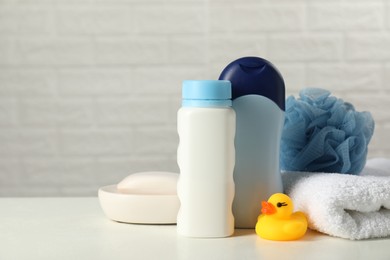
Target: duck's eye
x,y
281,204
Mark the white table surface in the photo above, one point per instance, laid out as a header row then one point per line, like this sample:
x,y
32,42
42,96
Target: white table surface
x,y
76,228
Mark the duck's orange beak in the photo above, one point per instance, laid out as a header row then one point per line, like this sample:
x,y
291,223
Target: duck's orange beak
x,y
267,208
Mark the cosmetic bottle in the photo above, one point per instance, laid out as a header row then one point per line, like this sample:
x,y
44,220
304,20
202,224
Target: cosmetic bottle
x,y
206,154
258,97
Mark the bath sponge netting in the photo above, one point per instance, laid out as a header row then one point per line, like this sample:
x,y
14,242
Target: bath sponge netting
x,y
323,133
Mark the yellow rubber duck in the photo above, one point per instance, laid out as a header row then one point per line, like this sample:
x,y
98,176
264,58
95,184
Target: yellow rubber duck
x,y
278,222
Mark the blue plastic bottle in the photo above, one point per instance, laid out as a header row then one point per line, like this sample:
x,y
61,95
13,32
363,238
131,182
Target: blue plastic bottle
x,y
258,95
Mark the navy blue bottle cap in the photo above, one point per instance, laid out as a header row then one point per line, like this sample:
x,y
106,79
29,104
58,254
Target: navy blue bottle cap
x,y
255,76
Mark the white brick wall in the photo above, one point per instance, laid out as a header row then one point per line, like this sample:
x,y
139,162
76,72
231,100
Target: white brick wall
x,y
89,89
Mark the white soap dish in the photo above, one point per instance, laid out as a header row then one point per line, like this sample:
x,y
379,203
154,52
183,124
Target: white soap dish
x,y
142,198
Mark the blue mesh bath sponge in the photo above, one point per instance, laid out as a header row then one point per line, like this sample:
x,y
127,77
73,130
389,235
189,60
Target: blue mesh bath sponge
x,y
324,134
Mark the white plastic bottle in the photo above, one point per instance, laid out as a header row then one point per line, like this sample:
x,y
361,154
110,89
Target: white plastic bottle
x,y
206,157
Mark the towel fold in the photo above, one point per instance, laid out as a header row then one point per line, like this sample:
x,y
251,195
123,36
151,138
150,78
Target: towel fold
x,y
341,205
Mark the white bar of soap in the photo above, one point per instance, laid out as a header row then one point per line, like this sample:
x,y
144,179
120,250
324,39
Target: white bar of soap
x,y
142,198
152,183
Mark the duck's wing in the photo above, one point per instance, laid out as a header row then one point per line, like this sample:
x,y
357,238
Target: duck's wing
x,y
294,227
299,216
297,224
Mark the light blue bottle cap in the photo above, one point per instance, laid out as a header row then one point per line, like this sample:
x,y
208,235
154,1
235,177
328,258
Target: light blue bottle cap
x,y
207,93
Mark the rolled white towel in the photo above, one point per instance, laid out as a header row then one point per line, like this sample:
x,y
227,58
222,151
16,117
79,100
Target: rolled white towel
x,y
341,205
